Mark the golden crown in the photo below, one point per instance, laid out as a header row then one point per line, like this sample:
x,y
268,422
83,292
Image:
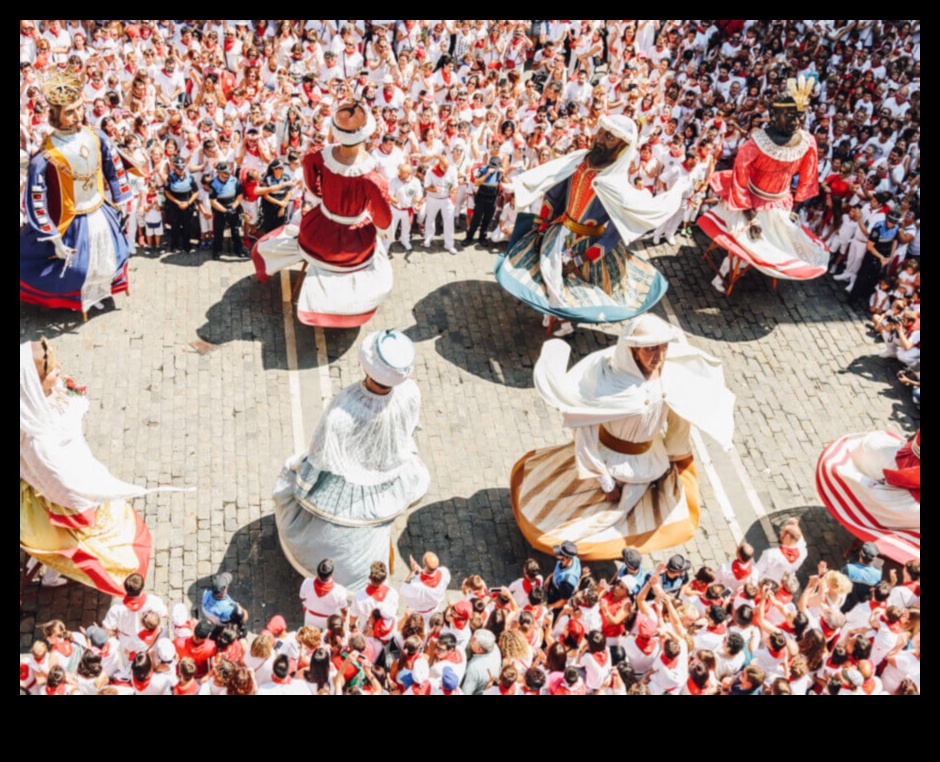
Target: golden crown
x,y
62,87
801,89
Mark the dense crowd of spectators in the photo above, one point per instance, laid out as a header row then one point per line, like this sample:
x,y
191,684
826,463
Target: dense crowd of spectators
x,y
213,118
745,628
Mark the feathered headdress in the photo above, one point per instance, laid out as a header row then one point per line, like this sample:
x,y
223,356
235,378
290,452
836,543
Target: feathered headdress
x,y
800,89
62,88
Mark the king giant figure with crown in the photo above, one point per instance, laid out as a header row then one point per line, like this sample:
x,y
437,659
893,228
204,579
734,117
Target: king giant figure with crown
x,y
73,249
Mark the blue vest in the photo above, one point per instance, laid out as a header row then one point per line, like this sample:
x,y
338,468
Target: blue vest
x,y
179,184
571,574
225,192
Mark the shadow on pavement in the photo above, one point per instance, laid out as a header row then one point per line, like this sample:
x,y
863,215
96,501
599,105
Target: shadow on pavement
x,y
274,591
476,535
508,349
253,311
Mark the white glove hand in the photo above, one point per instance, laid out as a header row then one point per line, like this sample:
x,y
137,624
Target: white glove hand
x,y
607,483
61,250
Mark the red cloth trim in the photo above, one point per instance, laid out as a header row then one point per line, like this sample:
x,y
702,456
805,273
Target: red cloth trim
x,y
898,545
334,321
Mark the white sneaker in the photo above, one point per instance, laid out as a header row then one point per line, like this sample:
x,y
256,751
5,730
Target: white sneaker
x,y
848,288
832,270
718,284
98,306
840,276
546,321
565,329
406,246
451,250
656,240
426,244
671,240
52,578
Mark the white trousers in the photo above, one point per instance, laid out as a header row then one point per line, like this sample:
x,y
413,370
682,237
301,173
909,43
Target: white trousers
x,y
403,218
446,208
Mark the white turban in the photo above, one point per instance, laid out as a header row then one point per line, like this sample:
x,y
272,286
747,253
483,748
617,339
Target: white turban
x,y
621,126
347,138
388,357
648,331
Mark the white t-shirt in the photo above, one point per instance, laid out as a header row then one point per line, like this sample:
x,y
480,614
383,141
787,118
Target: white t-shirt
x,y
323,607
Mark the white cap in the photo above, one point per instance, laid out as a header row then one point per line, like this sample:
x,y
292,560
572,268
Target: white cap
x,y
388,79
648,331
388,357
420,671
165,651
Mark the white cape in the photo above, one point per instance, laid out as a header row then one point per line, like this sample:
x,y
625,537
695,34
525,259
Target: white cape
x,y
594,392
633,212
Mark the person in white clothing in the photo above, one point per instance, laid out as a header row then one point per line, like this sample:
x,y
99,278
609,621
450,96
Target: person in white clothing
x,y
147,682
440,183
375,594
405,195
788,557
322,597
670,671
596,661
425,587
531,577
124,619
740,571
281,683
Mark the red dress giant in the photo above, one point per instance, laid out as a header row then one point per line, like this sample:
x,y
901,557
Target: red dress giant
x,y
349,272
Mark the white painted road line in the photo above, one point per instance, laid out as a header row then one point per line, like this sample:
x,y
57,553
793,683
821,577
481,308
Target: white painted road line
x,y
736,464
293,380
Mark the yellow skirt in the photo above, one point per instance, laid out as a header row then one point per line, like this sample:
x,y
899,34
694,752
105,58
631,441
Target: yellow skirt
x,y
101,555
551,505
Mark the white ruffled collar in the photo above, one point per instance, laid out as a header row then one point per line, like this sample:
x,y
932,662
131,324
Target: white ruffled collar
x,y
792,151
362,167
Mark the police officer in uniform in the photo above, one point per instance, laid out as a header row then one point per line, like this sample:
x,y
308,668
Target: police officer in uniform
x,y
275,193
225,197
486,179
181,192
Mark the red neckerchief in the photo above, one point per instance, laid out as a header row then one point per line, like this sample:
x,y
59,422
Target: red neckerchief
x,y
670,663
228,44
719,629
460,623
433,579
510,691
913,586
827,631
699,587
602,657
875,605
784,597
894,627
141,685
63,647
322,588
739,570
280,681
694,690
190,689
381,630
646,645
832,666
148,636
452,656
377,593
135,604
526,691
446,76
706,601
790,552
440,173
778,655
421,690
59,690
868,687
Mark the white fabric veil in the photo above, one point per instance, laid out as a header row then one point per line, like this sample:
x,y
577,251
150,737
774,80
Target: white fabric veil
x,y
54,456
632,212
606,385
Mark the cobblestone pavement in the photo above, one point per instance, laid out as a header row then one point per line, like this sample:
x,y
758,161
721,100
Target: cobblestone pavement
x,y
188,381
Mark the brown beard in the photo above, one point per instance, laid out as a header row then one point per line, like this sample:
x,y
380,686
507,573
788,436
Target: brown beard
x,y
600,155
